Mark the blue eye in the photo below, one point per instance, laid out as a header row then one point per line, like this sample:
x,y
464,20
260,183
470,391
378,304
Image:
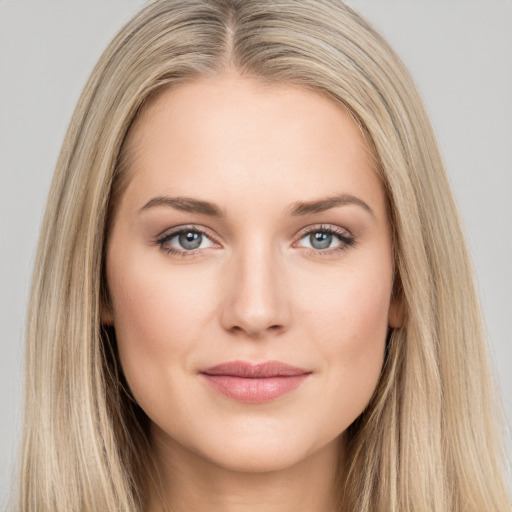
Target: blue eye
x,y
190,239
321,240
325,238
185,240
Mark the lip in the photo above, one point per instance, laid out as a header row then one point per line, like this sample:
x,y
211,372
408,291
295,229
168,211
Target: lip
x,y
254,383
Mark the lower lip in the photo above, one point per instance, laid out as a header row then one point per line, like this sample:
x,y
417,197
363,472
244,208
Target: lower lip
x,y
255,390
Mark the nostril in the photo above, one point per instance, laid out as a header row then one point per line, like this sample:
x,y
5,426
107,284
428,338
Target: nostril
x,y
257,333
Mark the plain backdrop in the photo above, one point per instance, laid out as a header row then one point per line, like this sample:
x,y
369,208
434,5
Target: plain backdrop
x,y
459,52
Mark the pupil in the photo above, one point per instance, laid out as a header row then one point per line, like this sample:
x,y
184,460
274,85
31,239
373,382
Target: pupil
x,y
320,240
190,239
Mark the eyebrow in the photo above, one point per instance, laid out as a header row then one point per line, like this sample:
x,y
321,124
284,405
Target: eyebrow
x,y
188,204
321,205
185,204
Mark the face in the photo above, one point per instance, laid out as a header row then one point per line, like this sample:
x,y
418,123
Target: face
x,y
249,268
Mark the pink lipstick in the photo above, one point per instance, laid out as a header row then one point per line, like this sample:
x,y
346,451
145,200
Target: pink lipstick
x,y
255,383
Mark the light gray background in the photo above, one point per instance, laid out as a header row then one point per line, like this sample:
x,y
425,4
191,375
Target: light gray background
x,y
459,51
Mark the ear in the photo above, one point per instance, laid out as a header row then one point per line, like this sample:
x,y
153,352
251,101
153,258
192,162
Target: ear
x,y
106,315
396,313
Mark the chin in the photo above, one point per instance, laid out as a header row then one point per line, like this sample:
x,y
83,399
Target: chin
x,y
263,455
261,459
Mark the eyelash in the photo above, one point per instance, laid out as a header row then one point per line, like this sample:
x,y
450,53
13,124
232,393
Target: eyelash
x,y
346,240
165,238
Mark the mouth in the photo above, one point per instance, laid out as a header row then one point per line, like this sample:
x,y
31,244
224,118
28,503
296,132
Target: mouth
x,y
254,383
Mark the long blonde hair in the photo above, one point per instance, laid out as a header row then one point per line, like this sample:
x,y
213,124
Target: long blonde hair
x,y
430,439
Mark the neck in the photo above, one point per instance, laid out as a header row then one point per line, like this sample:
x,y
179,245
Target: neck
x,y
191,483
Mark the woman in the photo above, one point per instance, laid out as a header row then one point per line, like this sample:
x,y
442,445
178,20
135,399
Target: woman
x,y
243,295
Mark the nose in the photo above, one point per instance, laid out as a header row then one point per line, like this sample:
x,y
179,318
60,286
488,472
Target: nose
x,y
255,296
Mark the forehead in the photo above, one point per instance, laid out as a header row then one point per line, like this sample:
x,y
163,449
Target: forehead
x,y
224,135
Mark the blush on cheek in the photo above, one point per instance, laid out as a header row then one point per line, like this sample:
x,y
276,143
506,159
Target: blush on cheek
x,y
352,329
159,315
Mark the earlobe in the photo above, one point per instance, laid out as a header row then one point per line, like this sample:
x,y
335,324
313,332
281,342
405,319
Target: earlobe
x,y
396,314
106,315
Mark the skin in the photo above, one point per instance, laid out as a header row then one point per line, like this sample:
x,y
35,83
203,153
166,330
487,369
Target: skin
x,y
255,290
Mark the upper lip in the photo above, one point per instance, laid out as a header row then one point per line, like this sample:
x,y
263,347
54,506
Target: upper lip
x,y
247,370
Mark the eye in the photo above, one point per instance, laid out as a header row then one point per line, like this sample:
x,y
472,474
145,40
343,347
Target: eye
x,y
185,240
326,239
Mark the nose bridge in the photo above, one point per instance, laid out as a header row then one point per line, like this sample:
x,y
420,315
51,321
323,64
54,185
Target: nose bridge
x,y
256,299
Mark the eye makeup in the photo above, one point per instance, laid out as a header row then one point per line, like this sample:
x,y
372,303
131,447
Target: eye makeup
x,y
320,239
191,240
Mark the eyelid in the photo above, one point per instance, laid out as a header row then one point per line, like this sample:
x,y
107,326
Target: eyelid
x,y
170,233
185,227
331,228
345,236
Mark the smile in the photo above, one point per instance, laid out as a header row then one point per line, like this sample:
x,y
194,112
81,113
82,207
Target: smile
x,y
254,384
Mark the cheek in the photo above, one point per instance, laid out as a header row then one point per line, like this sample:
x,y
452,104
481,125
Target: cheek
x,y
347,310
348,320
159,313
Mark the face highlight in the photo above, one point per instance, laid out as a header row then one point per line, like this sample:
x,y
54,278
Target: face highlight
x,y
252,238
